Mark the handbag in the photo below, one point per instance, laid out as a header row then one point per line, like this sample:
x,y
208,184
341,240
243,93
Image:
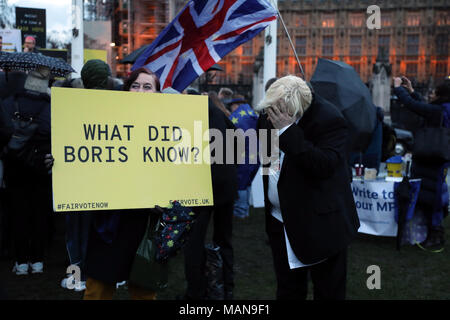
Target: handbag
x,y
432,142
146,272
175,226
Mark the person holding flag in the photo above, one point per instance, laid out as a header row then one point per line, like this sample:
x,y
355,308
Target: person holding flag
x,y
200,36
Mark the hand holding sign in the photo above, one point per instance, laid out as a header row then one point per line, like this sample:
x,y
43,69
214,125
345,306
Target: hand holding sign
x,y
122,150
48,162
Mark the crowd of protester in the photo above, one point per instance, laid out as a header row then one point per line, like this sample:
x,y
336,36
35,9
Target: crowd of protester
x,y
310,212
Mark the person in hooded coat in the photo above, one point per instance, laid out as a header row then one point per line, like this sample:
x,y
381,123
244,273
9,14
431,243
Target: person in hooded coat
x,y
26,176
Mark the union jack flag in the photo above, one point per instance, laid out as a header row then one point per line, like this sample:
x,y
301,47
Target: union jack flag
x,y
201,35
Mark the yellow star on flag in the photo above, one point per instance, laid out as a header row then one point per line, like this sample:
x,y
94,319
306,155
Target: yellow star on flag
x,y
250,113
243,113
234,120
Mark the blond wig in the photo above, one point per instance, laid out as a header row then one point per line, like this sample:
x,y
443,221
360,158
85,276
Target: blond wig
x,y
295,92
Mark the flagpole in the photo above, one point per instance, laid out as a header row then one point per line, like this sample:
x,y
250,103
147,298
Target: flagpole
x,y
77,58
270,52
290,41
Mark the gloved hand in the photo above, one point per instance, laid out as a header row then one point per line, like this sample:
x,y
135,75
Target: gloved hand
x,y
48,162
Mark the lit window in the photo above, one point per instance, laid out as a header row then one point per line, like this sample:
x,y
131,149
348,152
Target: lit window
x,y
328,21
386,20
413,19
443,19
356,20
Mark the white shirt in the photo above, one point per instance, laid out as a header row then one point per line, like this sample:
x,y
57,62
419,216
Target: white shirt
x,y
274,199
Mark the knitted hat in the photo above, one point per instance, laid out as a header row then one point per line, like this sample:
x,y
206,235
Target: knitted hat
x,y
30,38
95,74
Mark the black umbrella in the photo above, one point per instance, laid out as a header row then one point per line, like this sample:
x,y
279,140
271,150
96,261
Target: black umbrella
x,y
215,67
28,61
339,83
132,57
10,83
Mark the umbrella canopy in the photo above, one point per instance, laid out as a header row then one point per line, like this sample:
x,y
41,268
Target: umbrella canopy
x,y
28,61
339,83
215,67
8,85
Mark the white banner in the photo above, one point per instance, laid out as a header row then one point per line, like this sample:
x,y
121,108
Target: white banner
x,y
376,208
12,40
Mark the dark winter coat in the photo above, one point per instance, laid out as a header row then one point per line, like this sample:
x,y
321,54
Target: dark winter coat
x,y
110,260
224,175
316,201
30,162
430,170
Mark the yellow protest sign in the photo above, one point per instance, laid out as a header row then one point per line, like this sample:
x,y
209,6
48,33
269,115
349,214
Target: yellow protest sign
x,y
128,150
89,54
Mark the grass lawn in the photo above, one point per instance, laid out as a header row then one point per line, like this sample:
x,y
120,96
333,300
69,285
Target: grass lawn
x,y
410,273
407,274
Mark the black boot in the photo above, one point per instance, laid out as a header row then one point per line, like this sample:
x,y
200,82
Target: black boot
x,y
435,238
